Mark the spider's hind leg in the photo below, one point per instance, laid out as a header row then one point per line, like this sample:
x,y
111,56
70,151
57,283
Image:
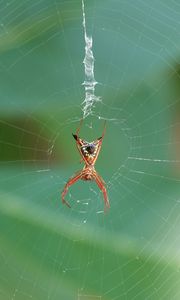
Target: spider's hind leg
x,y
101,184
71,181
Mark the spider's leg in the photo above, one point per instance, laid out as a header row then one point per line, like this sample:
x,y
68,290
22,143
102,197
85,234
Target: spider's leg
x,y
81,160
71,181
101,184
104,130
103,134
78,129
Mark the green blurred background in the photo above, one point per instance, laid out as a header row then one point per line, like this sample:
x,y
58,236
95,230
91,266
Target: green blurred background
x,y
48,251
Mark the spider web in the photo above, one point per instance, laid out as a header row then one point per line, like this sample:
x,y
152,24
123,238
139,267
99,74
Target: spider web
x,y
47,250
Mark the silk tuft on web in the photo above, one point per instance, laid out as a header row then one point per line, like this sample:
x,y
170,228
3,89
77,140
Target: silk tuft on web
x,y
90,81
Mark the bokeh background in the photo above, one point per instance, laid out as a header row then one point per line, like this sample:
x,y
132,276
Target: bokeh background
x,y
48,251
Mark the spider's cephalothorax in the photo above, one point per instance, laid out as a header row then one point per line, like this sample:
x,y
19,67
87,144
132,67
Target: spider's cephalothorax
x,y
89,153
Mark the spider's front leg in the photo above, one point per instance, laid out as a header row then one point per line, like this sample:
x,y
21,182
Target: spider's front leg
x,y
101,184
71,181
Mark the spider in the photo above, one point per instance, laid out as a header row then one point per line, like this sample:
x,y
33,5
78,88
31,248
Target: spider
x,y
89,153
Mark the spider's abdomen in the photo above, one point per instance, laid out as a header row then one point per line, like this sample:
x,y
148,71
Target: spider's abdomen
x,y
89,150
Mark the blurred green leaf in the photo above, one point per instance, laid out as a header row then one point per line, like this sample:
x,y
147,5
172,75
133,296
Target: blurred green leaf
x,y
46,248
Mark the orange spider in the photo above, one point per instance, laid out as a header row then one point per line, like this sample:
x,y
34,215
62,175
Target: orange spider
x,y
89,153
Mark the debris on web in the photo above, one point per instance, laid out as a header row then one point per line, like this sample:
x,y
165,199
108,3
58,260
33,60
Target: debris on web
x,y
89,82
